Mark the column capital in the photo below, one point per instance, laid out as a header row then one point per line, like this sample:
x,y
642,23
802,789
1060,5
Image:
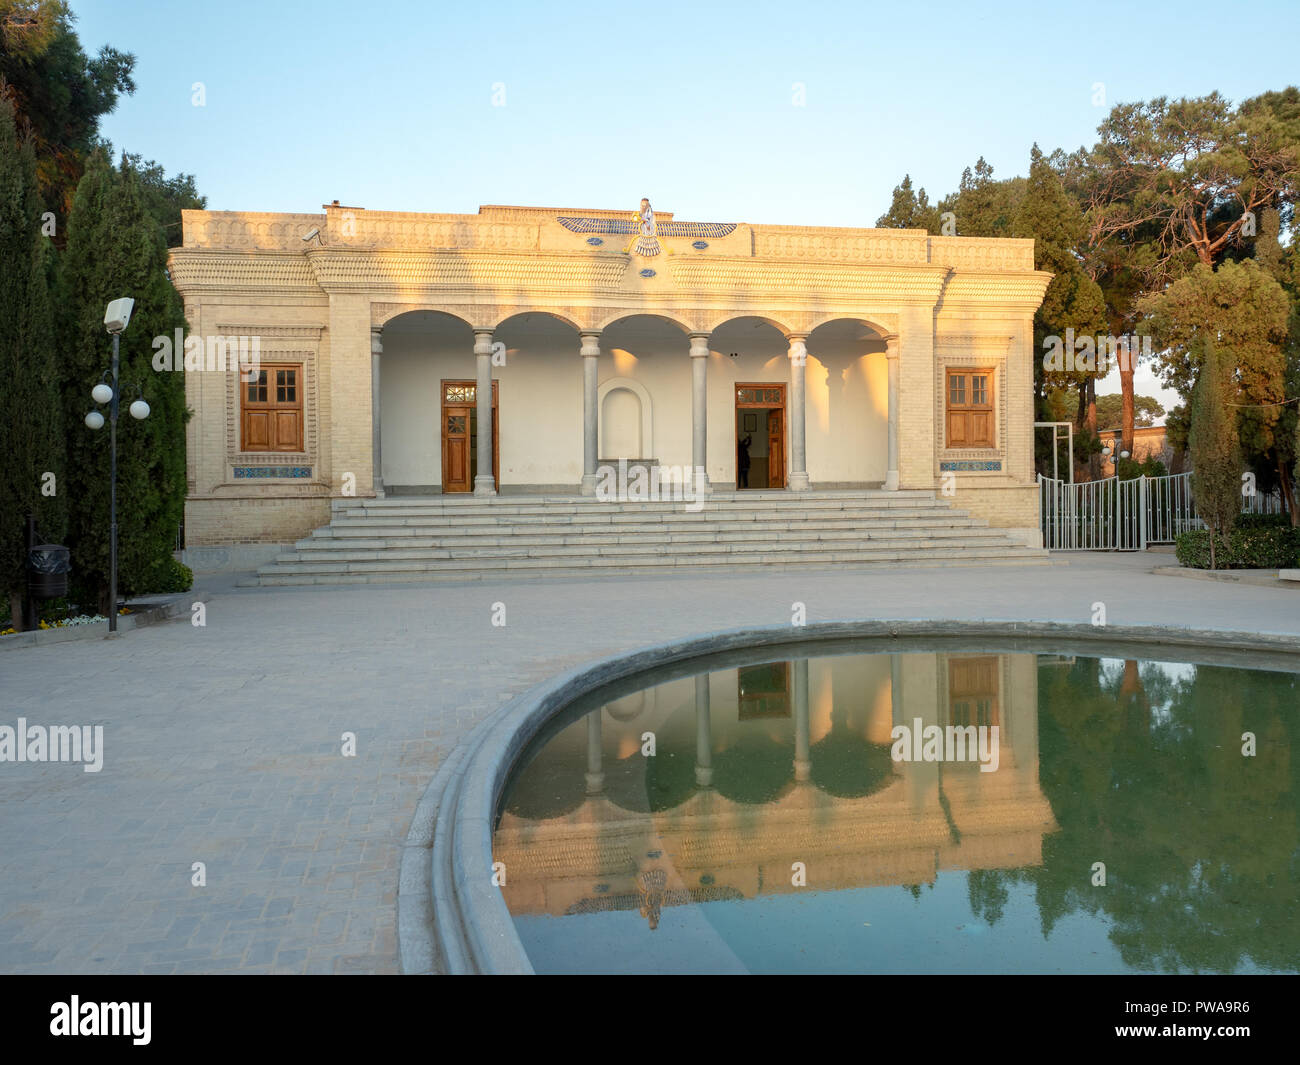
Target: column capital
x,y
376,340
483,341
891,345
590,338
699,345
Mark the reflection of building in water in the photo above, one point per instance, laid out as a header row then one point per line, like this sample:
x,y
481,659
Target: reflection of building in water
x,y
733,797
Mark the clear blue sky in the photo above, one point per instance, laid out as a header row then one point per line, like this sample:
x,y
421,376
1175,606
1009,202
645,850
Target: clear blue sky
x,y
388,104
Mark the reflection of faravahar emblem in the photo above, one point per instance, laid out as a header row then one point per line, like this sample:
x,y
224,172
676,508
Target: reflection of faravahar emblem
x,y
650,886
647,243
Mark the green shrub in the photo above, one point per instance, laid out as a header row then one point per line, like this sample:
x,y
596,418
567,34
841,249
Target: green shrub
x,y
171,576
1128,469
1260,541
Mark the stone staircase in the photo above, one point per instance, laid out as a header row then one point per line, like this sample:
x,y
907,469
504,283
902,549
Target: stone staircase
x,y
464,538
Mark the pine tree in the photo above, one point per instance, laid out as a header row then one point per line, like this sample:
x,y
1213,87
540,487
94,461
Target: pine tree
x,y
909,210
116,249
32,473
1049,216
1214,448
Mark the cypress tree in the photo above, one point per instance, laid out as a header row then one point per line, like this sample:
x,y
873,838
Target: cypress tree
x,y
116,249
1214,448
32,477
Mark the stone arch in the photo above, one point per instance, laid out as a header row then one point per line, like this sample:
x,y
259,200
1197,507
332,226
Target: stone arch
x,y
724,317
619,388
381,315
882,329
670,317
507,314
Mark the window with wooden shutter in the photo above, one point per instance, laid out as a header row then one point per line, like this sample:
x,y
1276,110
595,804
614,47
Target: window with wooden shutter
x,y
970,408
271,408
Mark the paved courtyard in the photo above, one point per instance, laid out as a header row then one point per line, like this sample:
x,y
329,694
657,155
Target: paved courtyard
x,y
222,744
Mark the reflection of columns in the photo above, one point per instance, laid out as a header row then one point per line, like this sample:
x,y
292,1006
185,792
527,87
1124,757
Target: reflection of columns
x,y
917,679
802,725
891,356
699,408
703,733
484,483
376,349
590,411
798,454
595,767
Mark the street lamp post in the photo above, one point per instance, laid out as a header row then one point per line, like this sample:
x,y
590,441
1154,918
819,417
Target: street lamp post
x,y
115,321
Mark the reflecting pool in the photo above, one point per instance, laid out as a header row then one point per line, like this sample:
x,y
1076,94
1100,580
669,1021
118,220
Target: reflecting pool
x,y
915,812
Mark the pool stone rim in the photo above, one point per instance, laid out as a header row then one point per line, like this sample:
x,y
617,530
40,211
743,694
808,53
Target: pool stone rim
x,y
455,923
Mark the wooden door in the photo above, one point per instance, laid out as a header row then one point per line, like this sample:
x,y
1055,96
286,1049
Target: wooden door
x,y
459,436
776,448
768,396
456,440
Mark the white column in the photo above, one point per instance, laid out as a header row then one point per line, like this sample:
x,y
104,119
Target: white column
x,y
484,483
595,766
376,436
590,411
703,734
891,356
802,722
700,409
798,453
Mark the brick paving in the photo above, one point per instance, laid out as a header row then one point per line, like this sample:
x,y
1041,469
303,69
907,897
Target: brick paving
x,y
222,744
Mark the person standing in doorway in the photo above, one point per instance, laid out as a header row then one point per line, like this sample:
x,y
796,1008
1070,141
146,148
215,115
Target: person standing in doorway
x,y
742,461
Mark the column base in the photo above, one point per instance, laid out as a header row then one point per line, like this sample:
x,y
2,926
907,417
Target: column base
x,y
484,485
891,481
799,482
588,487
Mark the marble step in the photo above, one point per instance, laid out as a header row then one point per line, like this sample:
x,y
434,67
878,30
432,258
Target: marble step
x,y
461,575
629,551
593,521
664,559
679,538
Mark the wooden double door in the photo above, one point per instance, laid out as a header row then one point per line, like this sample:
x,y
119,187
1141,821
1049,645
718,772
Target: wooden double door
x,y
460,436
769,399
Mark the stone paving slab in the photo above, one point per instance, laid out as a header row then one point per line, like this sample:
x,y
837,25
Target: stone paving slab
x,y
222,744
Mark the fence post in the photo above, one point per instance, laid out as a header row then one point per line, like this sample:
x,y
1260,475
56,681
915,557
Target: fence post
x,y
1142,512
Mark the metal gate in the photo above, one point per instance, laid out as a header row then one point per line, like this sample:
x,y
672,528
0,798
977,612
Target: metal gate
x,y
1115,515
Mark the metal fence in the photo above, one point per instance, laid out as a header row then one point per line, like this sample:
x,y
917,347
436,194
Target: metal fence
x,y
1115,515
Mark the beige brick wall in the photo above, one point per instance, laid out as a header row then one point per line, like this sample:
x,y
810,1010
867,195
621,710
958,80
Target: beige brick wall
x,y
1011,507
246,520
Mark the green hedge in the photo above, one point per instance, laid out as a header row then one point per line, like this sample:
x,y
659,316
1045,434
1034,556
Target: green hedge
x,y
1258,542
172,576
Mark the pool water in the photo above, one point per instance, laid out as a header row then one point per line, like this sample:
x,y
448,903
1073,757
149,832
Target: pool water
x,y
916,812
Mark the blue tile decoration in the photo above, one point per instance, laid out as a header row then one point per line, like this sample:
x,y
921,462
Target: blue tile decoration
x,y
595,242
700,245
647,272
627,226
970,467
244,473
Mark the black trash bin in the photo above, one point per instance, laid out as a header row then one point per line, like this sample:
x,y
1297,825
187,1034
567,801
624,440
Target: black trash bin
x,y
48,566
